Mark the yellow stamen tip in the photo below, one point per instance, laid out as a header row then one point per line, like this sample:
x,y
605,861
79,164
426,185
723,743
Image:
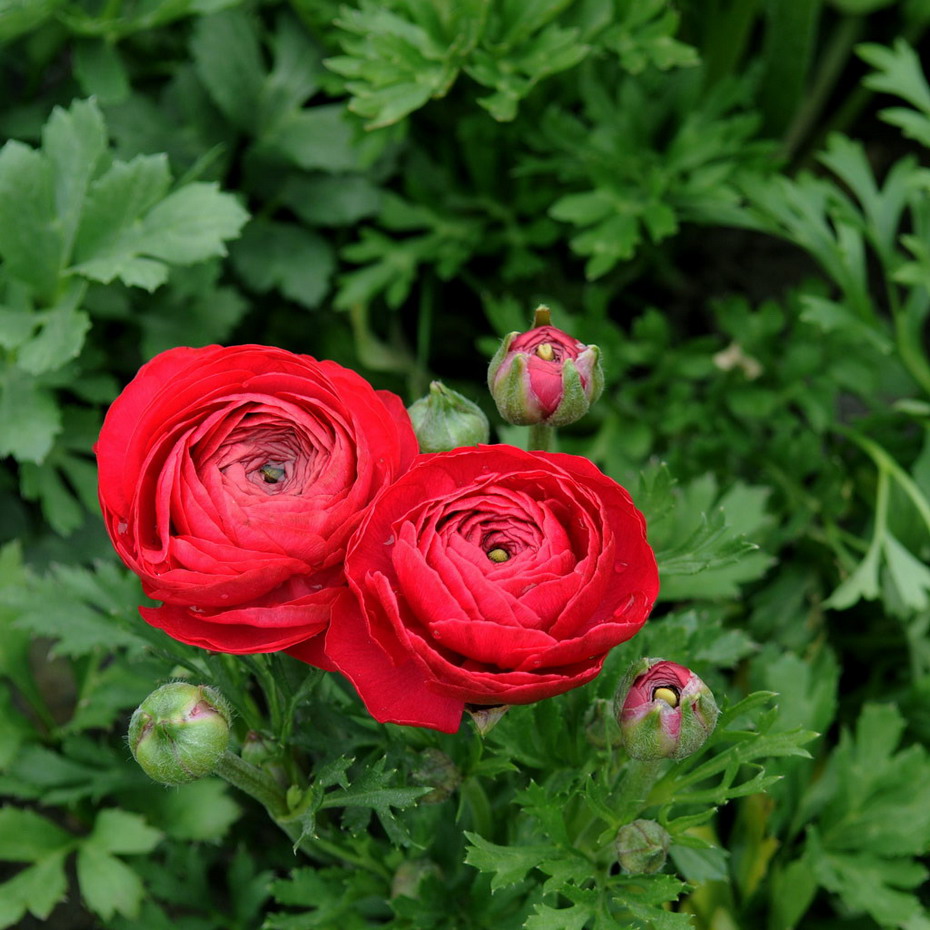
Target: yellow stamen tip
x,y
544,351
667,695
498,555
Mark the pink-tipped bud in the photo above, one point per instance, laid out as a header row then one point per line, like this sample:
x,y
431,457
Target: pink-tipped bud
x,y
665,711
544,376
178,733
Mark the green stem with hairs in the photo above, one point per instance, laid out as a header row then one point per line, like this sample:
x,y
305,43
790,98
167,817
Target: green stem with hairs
x,y
255,783
542,438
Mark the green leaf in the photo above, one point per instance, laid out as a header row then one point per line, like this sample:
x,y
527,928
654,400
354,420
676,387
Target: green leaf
x,y
83,610
868,884
297,262
191,224
31,419
108,885
202,811
320,138
115,202
563,918
59,340
74,141
99,68
228,61
118,831
336,200
27,837
36,889
898,72
30,243
510,864
910,576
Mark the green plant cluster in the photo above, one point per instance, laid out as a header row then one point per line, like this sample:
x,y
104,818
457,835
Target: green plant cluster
x,y
729,197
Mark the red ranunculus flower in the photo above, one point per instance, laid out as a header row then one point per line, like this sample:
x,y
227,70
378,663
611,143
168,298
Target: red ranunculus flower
x,y
489,576
231,480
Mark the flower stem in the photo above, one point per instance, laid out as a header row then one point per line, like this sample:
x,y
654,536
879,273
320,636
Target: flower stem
x,y
542,438
254,782
636,787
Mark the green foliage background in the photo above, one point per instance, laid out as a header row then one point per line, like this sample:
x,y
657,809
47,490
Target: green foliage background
x,y
728,196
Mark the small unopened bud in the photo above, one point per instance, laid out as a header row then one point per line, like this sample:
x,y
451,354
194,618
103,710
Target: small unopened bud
x,y
664,710
258,751
544,376
410,874
438,771
600,725
178,733
642,847
445,420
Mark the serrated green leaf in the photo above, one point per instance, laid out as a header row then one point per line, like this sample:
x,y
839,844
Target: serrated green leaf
x,y
510,864
36,889
16,326
336,200
30,416
98,66
202,811
74,141
25,836
115,202
59,340
118,831
30,243
563,918
294,260
909,575
869,884
898,72
228,60
108,885
320,138
192,224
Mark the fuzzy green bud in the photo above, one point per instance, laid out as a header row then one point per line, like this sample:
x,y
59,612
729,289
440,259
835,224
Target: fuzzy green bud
x,y
179,732
642,847
410,874
544,376
664,710
438,771
445,420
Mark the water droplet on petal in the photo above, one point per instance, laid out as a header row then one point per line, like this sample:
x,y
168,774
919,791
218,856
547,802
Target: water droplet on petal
x,y
121,527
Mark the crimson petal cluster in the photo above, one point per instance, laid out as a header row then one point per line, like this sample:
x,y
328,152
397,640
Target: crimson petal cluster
x,y
230,481
488,576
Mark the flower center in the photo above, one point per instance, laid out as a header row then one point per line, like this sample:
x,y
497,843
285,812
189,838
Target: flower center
x,y
545,352
498,555
272,472
667,694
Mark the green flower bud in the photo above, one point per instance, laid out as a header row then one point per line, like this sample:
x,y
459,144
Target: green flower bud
x,y
665,711
410,874
544,376
258,751
178,733
642,847
445,420
438,771
600,725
